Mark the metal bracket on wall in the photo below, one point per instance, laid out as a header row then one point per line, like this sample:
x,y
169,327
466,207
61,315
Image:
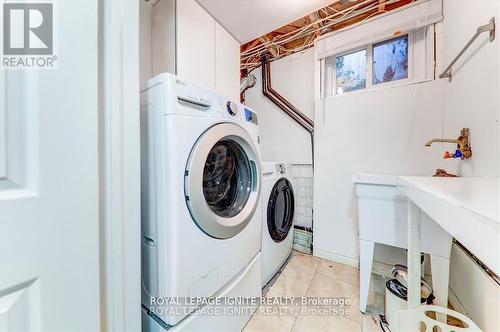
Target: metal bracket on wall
x,y
483,28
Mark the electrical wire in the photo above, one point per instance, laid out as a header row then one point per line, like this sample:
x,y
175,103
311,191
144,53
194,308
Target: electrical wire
x,y
250,59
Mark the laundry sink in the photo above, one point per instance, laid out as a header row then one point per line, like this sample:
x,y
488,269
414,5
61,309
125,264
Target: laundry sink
x,y
466,207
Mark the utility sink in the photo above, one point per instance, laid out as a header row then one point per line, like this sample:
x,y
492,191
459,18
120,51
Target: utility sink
x,y
466,207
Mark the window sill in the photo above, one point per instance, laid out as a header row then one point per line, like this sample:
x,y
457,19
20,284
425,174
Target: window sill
x,y
382,86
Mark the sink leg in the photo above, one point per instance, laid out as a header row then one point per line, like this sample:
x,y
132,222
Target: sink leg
x,y
366,249
414,272
440,267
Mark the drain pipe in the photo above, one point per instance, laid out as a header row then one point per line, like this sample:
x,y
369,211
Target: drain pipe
x,y
293,112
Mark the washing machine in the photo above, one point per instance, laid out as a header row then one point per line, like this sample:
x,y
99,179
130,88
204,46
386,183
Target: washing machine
x,y
278,201
201,217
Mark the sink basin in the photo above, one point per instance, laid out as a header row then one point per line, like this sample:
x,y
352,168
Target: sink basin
x,y
466,207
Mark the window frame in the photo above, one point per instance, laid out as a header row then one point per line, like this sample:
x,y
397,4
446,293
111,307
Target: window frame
x,y
410,58
333,72
417,44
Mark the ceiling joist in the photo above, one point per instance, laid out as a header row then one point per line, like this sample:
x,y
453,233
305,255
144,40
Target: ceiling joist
x,y
300,34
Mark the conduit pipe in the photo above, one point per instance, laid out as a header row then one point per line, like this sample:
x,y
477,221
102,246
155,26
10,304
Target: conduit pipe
x,y
288,108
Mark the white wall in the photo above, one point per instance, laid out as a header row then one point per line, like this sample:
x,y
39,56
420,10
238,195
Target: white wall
x,y
281,138
385,131
472,100
381,131
145,40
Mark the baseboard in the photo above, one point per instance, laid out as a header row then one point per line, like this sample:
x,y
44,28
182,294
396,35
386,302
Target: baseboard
x,y
377,267
336,257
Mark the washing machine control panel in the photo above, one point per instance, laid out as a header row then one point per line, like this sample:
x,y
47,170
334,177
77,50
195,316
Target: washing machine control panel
x,y
251,116
232,108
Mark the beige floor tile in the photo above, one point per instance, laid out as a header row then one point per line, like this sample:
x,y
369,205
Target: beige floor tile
x,y
323,285
339,271
269,323
309,276
301,267
305,257
325,323
370,324
288,286
376,295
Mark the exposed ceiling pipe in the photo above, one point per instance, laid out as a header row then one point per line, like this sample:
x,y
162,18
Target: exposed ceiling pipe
x,y
303,120
288,108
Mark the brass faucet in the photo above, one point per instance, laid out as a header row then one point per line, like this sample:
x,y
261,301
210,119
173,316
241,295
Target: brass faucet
x,y
462,142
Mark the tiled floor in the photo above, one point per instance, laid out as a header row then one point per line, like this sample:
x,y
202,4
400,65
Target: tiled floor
x,y
312,277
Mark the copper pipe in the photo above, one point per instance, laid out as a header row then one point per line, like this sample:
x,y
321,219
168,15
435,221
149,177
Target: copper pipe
x,y
300,118
289,109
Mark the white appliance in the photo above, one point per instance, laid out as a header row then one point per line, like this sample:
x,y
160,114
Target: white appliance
x,y
201,221
278,202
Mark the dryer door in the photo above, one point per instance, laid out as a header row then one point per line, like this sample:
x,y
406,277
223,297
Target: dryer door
x,y
222,180
280,210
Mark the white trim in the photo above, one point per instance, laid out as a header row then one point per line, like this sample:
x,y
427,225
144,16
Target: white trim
x,y
3,126
337,257
393,23
420,64
379,268
119,155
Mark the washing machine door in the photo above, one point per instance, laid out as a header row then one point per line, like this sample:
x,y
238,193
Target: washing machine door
x,y
280,210
222,180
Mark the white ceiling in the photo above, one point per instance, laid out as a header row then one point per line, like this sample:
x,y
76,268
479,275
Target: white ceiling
x,y
249,19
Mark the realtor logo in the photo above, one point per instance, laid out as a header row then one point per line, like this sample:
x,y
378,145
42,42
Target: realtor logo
x,y
28,35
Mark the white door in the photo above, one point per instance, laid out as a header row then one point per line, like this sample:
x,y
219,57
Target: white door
x,y
49,230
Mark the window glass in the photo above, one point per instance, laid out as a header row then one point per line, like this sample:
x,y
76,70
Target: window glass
x,y
350,71
390,60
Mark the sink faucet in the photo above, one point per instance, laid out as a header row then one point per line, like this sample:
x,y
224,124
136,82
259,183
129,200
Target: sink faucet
x,y
462,143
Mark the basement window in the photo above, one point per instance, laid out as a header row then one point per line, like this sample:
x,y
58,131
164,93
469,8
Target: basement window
x,y
350,71
390,60
382,63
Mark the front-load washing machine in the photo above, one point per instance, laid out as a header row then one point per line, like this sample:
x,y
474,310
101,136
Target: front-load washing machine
x,y
278,202
201,217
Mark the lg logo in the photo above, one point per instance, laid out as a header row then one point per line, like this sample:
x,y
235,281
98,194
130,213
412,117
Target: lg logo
x,y
27,29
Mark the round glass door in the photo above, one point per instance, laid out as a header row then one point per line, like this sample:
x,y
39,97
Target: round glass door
x,y
227,178
222,180
280,210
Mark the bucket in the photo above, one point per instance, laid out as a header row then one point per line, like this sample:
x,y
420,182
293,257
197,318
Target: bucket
x,y
396,297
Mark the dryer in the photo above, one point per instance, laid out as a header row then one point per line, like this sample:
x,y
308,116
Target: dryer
x,y
201,183
278,201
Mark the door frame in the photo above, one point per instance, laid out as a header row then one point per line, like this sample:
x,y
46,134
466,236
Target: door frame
x,y
119,166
